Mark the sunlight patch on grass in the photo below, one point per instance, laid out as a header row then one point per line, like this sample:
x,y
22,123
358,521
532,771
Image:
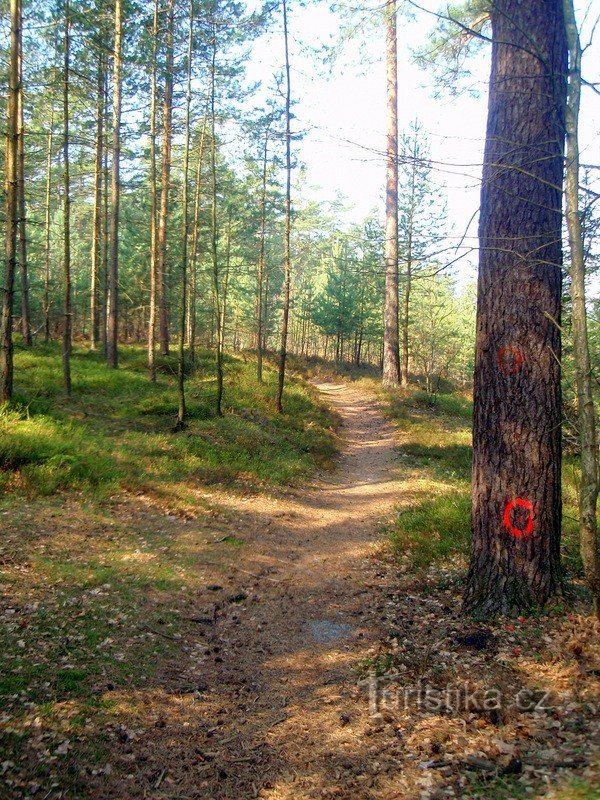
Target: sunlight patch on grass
x,y
116,430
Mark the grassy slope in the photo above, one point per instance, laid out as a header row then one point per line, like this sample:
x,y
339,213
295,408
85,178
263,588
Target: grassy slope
x,y
116,431
109,526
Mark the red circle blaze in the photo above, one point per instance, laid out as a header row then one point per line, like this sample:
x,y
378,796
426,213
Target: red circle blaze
x,y
519,502
510,360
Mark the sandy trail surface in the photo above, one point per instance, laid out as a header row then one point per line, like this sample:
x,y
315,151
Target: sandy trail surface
x,y
278,712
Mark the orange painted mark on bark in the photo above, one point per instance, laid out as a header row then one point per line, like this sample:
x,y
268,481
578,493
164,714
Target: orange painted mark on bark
x,y
519,505
510,360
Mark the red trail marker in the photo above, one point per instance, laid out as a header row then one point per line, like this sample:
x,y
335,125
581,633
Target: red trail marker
x,y
507,518
510,360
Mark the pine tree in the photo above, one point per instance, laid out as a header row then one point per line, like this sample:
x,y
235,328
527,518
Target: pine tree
x,y
517,399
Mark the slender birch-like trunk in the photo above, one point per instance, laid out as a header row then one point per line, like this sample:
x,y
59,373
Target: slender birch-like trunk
x,y
391,352
588,488
66,341
23,265
12,201
214,231
112,310
185,230
287,234
47,222
97,212
162,298
194,248
260,277
153,204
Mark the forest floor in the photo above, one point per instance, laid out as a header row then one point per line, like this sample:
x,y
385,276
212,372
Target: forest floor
x,y
270,644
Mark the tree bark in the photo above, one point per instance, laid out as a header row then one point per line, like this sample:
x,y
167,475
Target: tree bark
x,y
588,488
105,220
517,415
12,201
163,305
225,291
23,266
260,277
67,311
181,423
97,212
194,247
287,234
391,348
213,228
153,204
112,310
408,275
48,219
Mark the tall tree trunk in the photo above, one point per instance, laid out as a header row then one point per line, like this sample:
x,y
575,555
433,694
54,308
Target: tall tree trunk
x,y
67,311
25,310
153,204
391,352
225,292
266,321
97,213
588,488
12,202
194,247
47,223
105,221
185,230
163,304
213,228
287,234
406,317
517,416
112,310
260,277
408,273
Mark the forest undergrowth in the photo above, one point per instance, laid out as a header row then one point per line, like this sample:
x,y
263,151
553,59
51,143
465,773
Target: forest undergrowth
x,y
123,541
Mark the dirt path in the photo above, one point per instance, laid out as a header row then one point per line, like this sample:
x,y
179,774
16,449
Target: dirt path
x,y
276,712
219,644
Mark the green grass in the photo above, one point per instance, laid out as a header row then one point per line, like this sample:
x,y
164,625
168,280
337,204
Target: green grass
x,y
435,460
90,574
510,788
116,430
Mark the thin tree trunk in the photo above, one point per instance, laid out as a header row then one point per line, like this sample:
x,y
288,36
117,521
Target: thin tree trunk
x,y
194,247
185,231
406,316
67,312
153,204
266,322
12,201
112,311
516,495
191,334
105,225
25,310
588,488
48,218
287,260
391,352
97,213
260,278
225,292
163,305
408,275
214,231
